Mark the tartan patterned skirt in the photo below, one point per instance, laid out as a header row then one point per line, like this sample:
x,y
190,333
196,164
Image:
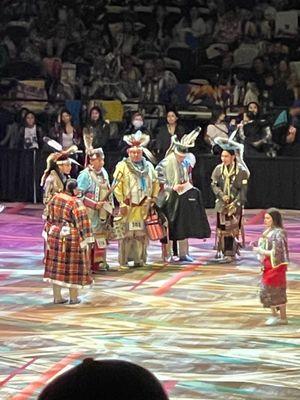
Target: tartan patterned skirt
x,y
66,264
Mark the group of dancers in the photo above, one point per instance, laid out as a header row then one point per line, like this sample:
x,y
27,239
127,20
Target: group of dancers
x,y
82,215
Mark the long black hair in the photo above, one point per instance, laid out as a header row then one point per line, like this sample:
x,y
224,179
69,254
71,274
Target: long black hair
x,y
25,116
70,186
64,111
276,217
98,109
215,114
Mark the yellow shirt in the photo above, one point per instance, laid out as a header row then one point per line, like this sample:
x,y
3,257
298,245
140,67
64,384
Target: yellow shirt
x,y
130,192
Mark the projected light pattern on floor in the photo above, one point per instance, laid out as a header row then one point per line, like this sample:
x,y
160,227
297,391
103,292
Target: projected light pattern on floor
x,y
198,327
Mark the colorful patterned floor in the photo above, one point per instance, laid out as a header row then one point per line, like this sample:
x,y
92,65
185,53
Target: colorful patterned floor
x,y
198,327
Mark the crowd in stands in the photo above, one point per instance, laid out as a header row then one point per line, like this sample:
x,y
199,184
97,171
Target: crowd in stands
x,y
205,53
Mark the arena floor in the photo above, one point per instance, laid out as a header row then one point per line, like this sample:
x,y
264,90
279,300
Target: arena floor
x,y
199,327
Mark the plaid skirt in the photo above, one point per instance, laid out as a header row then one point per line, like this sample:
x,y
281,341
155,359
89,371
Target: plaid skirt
x,y
66,264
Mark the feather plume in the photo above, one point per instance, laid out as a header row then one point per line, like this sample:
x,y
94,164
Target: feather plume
x,y
53,143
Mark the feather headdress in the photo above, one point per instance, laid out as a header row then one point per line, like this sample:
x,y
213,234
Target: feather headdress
x,y
59,150
59,157
141,140
95,153
231,145
183,145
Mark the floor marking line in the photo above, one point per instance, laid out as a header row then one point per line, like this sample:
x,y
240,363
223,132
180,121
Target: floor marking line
x,y
17,371
139,283
188,270
28,391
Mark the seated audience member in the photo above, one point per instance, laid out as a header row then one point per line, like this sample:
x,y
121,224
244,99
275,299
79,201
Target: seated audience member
x,y
256,134
251,93
131,72
167,80
228,27
105,380
217,127
190,28
286,130
276,93
128,87
127,39
149,89
259,69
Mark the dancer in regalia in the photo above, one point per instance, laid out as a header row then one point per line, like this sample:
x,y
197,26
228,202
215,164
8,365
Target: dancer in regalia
x,y
68,234
93,182
180,201
273,254
229,184
136,190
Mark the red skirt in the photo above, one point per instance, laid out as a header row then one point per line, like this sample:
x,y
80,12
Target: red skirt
x,y
273,285
275,277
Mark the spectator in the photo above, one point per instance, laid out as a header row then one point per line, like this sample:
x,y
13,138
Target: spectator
x,y
149,89
10,47
256,133
24,132
190,28
277,52
126,40
268,24
259,69
216,128
96,131
136,124
77,27
12,129
31,52
228,28
149,45
276,93
105,379
30,134
98,41
286,130
57,44
252,93
128,87
225,74
130,72
161,24
167,80
166,131
283,74
64,132
59,92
